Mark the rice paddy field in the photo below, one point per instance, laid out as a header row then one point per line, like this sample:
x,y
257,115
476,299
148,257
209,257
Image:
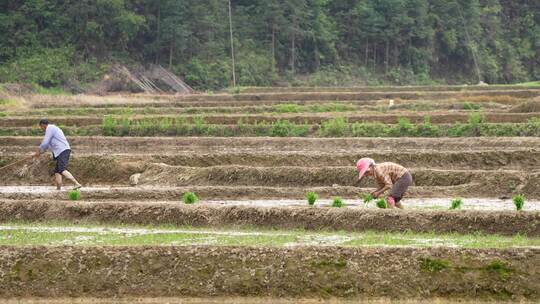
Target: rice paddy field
x,y
249,235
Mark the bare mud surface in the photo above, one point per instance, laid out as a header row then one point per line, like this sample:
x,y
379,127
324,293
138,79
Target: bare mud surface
x,y
237,300
172,144
519,177
310,272
511,159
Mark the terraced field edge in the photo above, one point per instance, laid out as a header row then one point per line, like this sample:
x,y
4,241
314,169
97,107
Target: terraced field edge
x,y
278,272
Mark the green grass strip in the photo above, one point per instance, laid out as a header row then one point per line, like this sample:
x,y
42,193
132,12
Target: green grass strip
x,y
57,234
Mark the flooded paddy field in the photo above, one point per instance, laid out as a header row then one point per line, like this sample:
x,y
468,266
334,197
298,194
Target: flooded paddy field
x,y
251,158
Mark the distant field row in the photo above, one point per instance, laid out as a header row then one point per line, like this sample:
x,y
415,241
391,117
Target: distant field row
x,y
260,99
232,119
380,107
205,145
337,127
531,85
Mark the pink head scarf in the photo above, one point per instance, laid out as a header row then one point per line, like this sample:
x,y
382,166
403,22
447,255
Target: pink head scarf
x,y
363,165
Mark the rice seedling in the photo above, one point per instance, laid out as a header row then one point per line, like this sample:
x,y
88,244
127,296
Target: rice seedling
x,y
337,202
519,201
74,195
190,198
367,197
381,203
311,197
456,204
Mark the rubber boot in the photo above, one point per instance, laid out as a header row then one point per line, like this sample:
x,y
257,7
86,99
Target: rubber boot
x,y
391,202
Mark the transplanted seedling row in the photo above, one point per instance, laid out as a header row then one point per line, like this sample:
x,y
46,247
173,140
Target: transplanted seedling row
x,y
518,200
455,204
338,202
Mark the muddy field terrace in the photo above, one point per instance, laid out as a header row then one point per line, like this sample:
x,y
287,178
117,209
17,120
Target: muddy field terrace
x,y
249,159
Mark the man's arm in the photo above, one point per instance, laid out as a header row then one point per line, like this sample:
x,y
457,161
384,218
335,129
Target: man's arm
x,y
45,143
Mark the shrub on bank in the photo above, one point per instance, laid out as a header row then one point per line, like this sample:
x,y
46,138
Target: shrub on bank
x,y
337,127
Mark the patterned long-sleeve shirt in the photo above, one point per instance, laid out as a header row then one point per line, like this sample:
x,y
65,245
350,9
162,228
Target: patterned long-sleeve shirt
x,y
386,174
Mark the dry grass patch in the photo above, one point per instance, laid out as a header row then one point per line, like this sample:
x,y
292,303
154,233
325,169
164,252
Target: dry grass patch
x,y
503,99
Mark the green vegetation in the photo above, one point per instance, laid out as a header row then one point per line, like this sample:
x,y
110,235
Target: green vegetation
x,y
63,233
500,268
287,108
470,106
401,42
74,195
381,203
123,111
50,90
285,128
530,84
190,198
336,127
7,103
331,107
311,197
456,204
367,197
519,201
337,202
196,126
434,265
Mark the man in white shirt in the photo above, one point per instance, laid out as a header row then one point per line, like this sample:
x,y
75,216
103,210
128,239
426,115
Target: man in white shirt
x,y
56,142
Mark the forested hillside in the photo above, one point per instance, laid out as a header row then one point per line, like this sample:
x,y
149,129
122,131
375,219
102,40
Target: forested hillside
x,y
319,42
